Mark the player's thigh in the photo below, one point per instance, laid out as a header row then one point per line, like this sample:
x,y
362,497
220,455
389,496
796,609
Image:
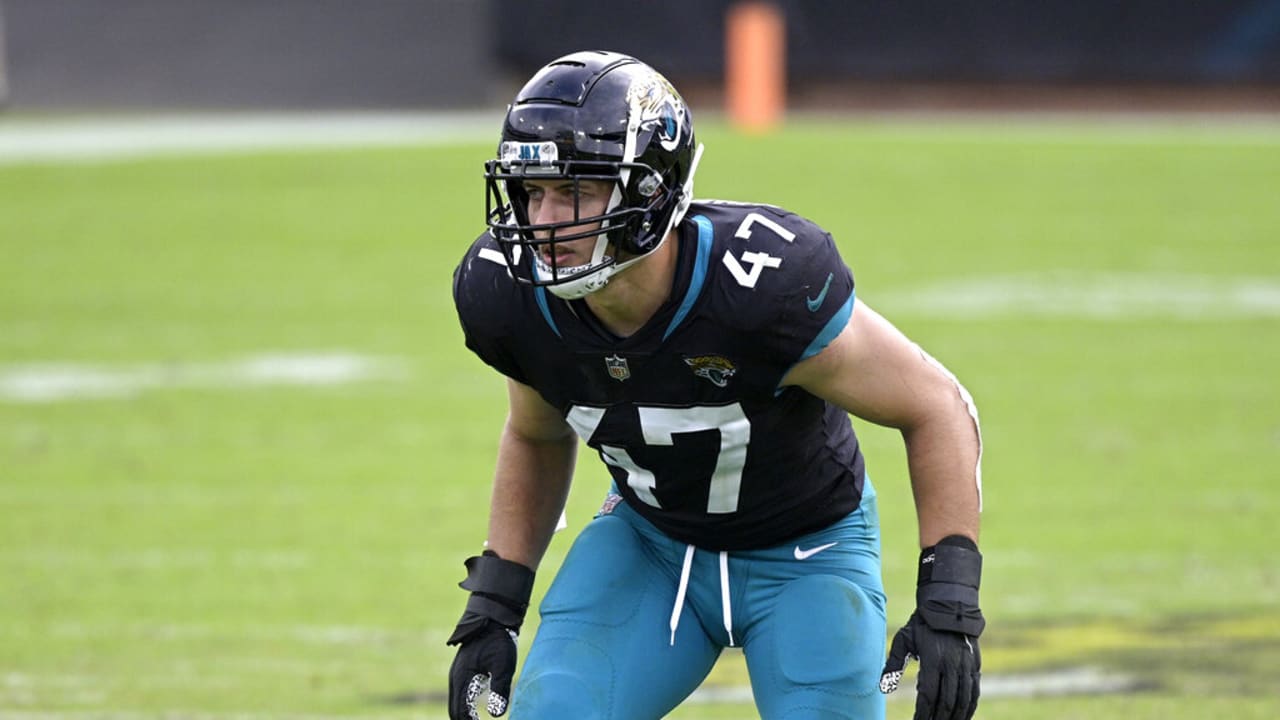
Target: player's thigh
x,y
819,651
603,648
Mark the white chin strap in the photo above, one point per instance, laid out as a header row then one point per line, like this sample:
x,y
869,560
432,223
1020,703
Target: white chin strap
x,y
583,286
585,280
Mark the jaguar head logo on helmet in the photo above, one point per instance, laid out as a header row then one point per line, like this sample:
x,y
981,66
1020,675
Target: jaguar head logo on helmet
x,y
614,137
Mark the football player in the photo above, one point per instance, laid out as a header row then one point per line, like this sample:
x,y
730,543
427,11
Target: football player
x,y
711,353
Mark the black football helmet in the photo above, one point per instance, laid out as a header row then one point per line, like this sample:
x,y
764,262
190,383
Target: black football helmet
x,y
592,116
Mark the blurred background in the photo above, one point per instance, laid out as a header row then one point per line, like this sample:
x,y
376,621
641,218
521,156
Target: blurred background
x,y
454,54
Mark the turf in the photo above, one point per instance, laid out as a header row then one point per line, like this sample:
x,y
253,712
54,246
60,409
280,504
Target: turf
x,y
273,551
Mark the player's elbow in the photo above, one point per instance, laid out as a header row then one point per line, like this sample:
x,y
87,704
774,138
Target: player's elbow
x,y
546,432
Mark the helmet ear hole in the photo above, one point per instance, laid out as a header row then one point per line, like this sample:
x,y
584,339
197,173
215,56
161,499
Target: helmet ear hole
x,y
649,184
625,236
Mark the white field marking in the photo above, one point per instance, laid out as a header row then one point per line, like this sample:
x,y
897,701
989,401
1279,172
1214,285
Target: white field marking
x,y
137,495
1075,681
1101,296
103,139
1058,129
78,140
11,680
53,382
184,714
1072,681
161,559
321,635
18,688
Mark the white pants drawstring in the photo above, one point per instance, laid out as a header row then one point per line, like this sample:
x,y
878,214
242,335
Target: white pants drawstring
x,y
680,591
683,589
724,595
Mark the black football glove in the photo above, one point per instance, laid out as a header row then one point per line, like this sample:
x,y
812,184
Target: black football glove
x,y
486,634
942,633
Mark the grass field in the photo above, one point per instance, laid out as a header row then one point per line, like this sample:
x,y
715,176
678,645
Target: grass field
x,y
243,451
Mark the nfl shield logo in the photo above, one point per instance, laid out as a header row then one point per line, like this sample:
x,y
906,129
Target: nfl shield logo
x,y
618,369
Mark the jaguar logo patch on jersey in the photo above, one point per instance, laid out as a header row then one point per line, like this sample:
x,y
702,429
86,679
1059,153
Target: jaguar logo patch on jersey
x,y
715,368
617,367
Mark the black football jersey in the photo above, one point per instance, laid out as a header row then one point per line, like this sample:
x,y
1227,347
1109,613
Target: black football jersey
x,y
687,413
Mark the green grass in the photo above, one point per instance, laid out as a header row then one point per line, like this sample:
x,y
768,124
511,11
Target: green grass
x,y
294,551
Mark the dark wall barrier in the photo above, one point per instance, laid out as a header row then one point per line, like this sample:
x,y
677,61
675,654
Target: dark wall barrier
x,y
246,53
292,54
1078,41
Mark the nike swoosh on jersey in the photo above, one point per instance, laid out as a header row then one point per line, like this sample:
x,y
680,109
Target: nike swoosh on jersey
x,y
806,554
815,303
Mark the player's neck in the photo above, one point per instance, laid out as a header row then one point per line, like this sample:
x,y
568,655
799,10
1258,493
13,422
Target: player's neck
x,y
634,295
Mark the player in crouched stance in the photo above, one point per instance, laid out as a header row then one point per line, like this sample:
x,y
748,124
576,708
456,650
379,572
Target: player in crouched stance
x,y
711,353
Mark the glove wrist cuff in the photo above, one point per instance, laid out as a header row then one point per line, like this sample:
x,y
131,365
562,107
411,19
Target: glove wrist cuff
x,y
495,610
507,582
947,590
953,560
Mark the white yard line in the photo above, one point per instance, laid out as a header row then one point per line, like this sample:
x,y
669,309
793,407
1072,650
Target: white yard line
x,y
177,715
75,140
54,382
157,559
1095,296
158,632
1100,296
1062,129
1070,681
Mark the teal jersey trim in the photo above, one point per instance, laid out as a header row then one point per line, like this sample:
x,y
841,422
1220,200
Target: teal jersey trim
x,y
540,294
699,274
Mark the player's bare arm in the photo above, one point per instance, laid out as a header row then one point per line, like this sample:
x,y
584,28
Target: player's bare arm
x,y
872,370
536,457
534,467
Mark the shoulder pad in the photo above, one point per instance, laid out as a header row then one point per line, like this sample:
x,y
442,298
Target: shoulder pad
x,y
488,300
778,274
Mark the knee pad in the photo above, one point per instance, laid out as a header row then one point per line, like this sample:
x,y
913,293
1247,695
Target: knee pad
x,y
830,631
549,691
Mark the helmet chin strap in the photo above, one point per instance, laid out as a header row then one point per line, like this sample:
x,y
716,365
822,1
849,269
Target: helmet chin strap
x,y
594,280
588,281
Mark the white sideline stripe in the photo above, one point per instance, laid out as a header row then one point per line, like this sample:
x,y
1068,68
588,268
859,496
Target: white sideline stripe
x,y
322,635
172,714
90,139
1103,296
160,559
1076,681
1066,129
1073,681
87,139
53,382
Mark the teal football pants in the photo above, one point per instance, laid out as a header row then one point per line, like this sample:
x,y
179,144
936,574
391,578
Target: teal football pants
x,y
614,643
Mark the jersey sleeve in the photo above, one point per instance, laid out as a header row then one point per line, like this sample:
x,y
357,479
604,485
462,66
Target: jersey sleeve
x,y
791,289
486,297
818,300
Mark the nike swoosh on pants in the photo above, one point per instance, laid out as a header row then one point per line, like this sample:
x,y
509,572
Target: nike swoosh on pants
x,y
806,554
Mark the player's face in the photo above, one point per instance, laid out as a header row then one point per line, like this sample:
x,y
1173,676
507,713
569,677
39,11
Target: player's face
x,y
558,201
